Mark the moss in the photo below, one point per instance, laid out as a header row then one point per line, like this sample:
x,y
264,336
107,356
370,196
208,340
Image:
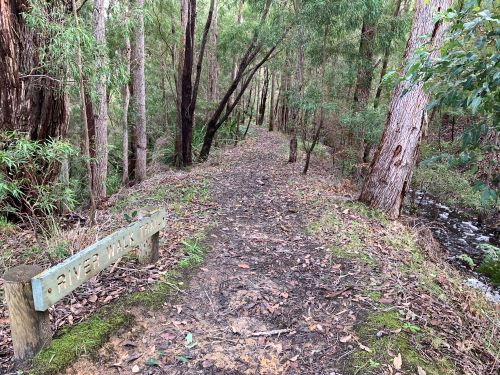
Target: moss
x,y
85,337
385,348
490,265
374,295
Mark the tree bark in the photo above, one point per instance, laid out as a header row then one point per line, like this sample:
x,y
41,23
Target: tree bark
x,y
178,159
299,87
30,100
125,108
365,68
100,107
140,96
263,98
271,107
213,65
187,86
385,60
85,125
385,186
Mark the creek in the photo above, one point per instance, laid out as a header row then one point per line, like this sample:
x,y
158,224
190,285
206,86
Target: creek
x,y
459,234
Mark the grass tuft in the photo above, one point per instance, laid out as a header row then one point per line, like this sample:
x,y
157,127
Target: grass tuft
x,y
393,342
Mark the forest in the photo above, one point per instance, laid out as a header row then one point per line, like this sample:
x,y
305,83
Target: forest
x,y
250,187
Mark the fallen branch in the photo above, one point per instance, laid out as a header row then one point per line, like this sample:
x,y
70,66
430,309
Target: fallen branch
x,y
271,333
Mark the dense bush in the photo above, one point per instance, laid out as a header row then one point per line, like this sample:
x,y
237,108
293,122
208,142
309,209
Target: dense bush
x,y
29,187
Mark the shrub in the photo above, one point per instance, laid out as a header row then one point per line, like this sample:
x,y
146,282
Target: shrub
x,y
29,170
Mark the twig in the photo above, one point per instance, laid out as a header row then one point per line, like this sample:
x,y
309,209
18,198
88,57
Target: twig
x,y
270,333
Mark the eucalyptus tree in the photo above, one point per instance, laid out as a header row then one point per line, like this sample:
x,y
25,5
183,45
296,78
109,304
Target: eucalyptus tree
x,y
31,96
100,107
465,77
139,86
260,48
390,174
213,65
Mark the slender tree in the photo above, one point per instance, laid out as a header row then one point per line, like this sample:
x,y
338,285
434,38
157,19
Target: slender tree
x,y
390,174
85,128
213,65
140,96
263,98
125,91
271,106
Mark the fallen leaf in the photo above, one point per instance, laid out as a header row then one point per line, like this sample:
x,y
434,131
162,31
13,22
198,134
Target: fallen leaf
x,y
244,265
386,300
365,348
93,298
345,339
398,362
152,362
207,364
181,358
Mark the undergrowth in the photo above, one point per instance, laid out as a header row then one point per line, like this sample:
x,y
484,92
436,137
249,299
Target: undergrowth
x,y
387,336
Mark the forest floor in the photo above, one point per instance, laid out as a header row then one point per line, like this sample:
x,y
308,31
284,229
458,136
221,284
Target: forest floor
x,y
296,278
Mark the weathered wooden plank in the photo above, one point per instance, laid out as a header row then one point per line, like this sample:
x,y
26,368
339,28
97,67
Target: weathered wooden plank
x,y
56,282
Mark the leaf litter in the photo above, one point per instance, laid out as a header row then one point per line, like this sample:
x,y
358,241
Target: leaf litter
x,y
279,294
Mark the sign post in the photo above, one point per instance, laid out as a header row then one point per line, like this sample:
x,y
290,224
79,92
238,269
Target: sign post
x,y
30,291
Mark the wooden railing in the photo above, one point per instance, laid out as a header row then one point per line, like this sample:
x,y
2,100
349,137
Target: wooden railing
x,y
30,290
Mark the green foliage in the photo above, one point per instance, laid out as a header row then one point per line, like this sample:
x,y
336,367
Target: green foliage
x,y
449,185
370,120
490,265
383,349
467,260
466,76
27,186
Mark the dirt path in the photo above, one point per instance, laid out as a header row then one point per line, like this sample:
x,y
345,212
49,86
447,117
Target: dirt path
x,y
270,297
263,303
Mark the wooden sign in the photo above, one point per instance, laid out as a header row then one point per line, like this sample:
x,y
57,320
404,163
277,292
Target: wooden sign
x,y
54,283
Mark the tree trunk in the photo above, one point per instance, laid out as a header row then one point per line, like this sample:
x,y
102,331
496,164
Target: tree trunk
x,y
213,65
263,99
363,84
385,60
271,106
30,102
125,107
187,86
365,68
86,139
140,96
100,107
217,119
239,20
385,186
178,161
